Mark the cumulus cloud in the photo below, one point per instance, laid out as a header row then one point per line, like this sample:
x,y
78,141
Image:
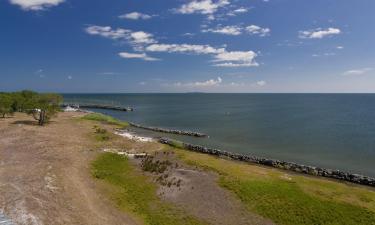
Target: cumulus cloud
x,y
141,37
142,56
36,5
229,30
184,48
256,30
107,32
319,33
237,30
357,72
211,82
238,11
261,83
134,37
135,16
145,42
207,83
236,59
222,57
202,6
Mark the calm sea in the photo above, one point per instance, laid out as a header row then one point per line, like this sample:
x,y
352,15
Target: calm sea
x,y
329,130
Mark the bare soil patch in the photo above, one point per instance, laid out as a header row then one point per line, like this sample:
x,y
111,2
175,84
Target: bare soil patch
x,y
44,174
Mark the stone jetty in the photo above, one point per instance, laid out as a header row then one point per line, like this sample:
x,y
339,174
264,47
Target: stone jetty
x,y
311,170
97,106
157,129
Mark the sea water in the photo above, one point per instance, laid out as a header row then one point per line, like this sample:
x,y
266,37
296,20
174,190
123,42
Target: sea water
x,y
328,130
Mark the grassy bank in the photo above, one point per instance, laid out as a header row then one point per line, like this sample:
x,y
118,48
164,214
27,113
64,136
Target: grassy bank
x,y
105,119
135,193
290,198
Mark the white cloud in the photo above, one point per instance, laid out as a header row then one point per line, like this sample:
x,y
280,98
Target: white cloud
x,y
184,48
108,32
236,59
188,34
142,56
135,16
70,77
202,6
36,5
207,83
241,10
141,37
134,37
357,72
256,30
340,47
221,55
237,11
319,33
229,30
261,83
237,30
144,42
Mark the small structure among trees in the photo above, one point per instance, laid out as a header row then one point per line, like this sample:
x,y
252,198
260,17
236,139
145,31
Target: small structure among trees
x,y
42,106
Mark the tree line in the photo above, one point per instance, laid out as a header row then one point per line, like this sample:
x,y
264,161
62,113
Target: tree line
x,y
41,106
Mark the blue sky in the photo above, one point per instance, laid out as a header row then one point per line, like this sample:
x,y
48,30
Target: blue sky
x,y
187,45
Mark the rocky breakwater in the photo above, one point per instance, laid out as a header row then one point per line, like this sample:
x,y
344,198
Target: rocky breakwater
x,y
179,132
311,170
95,106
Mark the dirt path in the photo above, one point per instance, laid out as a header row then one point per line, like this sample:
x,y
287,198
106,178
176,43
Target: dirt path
x,y
44,176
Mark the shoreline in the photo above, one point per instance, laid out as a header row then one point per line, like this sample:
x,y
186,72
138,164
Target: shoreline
x,y
289,166
97,106
162,130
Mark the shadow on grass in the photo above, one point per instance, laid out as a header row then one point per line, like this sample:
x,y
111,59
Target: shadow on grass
x,y
26,122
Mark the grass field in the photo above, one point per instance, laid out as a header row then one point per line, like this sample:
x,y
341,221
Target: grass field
x,y
290,198
134,193
105,119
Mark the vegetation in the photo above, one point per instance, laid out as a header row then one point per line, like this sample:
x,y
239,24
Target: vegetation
x,y
134,193
155,166
290,198
41,106
6,102
101,134
105,119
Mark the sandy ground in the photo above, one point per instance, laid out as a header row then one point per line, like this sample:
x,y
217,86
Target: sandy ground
x,y
44,174
45,178
199,194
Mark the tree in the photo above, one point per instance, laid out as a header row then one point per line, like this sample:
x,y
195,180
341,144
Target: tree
x,y
24,101
43,107
6,102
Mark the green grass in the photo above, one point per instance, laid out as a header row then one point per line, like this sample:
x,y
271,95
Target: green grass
x,y
135,193
290,198
177,144
105,119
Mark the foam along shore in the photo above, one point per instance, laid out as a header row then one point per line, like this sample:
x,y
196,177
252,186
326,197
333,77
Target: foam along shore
x,y
132,136
98,106
179,132
311,170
